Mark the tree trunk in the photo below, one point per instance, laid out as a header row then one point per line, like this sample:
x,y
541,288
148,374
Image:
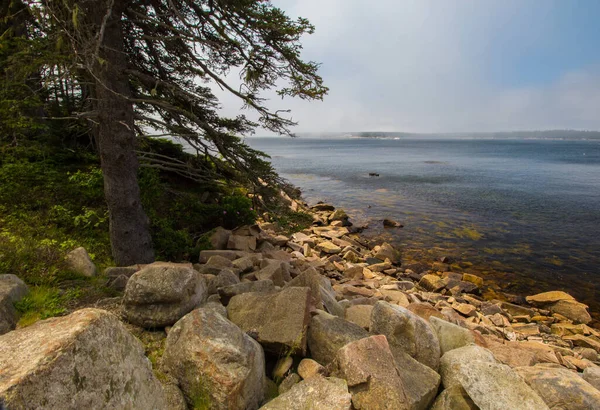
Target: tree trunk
x,y
129,226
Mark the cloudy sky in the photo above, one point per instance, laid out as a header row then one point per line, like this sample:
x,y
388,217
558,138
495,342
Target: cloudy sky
x,y
449,65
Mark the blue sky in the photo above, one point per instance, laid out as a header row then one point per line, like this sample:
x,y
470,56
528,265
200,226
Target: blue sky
x,y
450,65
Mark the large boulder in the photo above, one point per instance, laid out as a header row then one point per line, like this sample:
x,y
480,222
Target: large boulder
x,y
561,388
454,398
278,321
214,362
162,293
370,370
494,386
315,393
450,335
407,332
452,362
327,334
12,289
86,360
80,262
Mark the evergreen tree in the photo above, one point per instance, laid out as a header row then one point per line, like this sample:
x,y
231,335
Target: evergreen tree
x,y
130,68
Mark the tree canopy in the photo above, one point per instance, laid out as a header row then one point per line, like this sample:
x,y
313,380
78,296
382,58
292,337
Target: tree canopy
x,y
119,71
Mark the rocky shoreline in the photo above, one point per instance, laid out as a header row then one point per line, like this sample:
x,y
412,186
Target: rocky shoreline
x,y
321,319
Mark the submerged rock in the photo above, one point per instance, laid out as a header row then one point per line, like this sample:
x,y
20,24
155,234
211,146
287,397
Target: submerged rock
x,y
86,360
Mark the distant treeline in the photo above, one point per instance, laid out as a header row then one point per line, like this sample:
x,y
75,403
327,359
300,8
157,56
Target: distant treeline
x,y
546,134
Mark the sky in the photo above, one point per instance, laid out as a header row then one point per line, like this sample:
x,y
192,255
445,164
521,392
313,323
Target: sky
x,y
448,65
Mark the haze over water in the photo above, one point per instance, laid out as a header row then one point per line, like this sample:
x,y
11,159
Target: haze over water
x,y
525,213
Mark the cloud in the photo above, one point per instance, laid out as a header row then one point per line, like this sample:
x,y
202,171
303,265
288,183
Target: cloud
x,y
433,66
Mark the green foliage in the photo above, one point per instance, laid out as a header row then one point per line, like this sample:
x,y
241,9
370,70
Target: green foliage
x,y
291,222
43,302
237,211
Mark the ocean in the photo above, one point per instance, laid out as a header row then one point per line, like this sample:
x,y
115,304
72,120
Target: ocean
x,y
524,214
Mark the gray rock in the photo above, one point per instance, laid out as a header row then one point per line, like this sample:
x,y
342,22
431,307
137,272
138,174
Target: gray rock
x,y
360,315
241,243
452,362
12,289
80,262
592,376
450,335
219,238
561,388
370,370
289,382
315,393
454,398
86,360
327,334
494,386
161,293
420,382
225,278
320,290
214,362
274,272
227,292
244,264
278,321
406,332
229,254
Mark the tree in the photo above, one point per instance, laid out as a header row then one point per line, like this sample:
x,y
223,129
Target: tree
x,y
145,67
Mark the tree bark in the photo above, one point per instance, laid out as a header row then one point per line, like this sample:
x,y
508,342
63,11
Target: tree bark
x,y
129,226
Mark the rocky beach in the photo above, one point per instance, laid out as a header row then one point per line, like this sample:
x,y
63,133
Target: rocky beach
x,y
319,319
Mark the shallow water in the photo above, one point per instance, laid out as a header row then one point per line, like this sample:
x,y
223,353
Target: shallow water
x,y
525,213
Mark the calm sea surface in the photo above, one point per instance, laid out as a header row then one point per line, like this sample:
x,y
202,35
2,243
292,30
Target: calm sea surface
x,y
524,213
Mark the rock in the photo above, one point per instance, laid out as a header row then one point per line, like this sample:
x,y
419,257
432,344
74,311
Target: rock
x,y
214,362
261,286
241,243
174,397
244,264
387,251
452,362
80,262
360,315
563,304
321,207
278,321
329,247
592,376
12,289
432,283
406,332
229,254
310,368
219,238
477,280
583,341
390,223
454,398
560,388
420,382
369,368
395,296
465,309
320,290
225,278
516,310
275,272
315,393
338,215
289,382
86,360
496,386
119,276
161,293
450,336
327,334
528,329
573,310
425,311
542,299
282,366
